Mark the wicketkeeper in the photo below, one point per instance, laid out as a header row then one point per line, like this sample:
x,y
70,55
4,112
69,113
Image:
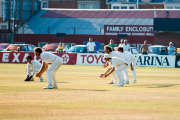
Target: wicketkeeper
x,y
32,66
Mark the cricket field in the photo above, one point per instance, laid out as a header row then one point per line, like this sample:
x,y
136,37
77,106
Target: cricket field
x,y
82,95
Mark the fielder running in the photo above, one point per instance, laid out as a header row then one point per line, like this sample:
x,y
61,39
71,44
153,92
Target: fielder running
x,y
116,65
133,63
32,66
55,61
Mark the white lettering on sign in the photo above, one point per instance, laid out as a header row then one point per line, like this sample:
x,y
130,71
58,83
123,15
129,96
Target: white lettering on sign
x,y
90,59
24,58
129,28
139,29
16,57
5,57
109,28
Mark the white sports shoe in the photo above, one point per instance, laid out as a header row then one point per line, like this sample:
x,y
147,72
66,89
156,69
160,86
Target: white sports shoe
x,y
113,84
48,87
134,81
41,80
119,85
126,82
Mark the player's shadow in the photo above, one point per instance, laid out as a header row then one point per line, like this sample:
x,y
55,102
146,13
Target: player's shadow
x,y
62,82
156,85
87,89
161,85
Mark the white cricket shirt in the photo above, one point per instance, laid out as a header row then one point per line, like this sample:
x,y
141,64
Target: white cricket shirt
x,y
133,58
116,62
48,57
34,64
115,54
91,46
126,47
120,45
126,57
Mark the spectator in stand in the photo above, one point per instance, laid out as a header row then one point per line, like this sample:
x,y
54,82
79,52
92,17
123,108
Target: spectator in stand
x,y
144,48
65,50
91,46
60,48
171,49
111,44
72,44
121,43
126,46
18,49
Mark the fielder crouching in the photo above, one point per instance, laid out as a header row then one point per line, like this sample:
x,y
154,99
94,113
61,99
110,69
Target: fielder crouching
x,y
55,61
116,66
32,66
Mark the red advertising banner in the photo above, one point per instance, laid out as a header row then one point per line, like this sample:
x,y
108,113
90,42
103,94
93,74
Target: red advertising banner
x,y
128,28
90,59
20,57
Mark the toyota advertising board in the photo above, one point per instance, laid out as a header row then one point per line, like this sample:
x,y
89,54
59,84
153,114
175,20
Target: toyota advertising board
x,y
94,59
142,60
90,59
20,57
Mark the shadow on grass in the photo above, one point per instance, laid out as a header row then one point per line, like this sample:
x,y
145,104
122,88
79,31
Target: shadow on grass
x,y
62,82
157,85
86,89
161,85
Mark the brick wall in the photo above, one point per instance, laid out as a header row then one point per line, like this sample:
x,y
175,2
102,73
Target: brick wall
x,y
166,37
151,6
63,4
103,5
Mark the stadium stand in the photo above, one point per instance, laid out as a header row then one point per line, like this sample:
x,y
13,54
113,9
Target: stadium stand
x,y
52,21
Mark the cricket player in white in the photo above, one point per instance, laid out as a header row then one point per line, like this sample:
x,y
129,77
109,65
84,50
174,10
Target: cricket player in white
x,y
125,72
55,61
32,66
133,63
108,50
116,65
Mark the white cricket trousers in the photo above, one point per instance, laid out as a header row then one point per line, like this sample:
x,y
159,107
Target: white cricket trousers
x,y
50,72
36,70
134,71
117,75
126,75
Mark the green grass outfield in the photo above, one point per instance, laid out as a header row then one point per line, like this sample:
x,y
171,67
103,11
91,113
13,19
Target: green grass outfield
x,y
82,95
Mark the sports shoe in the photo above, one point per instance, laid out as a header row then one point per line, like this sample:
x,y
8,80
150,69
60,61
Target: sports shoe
x,y
41,80
32,79
126,82
48,87
134,81
55,87
27,80
119,85
111,82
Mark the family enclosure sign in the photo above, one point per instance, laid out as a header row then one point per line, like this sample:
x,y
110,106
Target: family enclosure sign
x,y
128,28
